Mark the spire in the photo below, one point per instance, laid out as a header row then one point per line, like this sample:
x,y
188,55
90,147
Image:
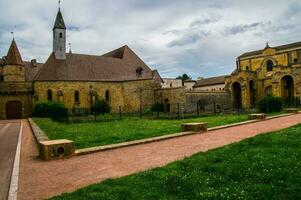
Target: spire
x,y
13,56
267,46
59,21
70,51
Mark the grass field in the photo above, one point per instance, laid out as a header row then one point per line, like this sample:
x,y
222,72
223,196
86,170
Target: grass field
x,y
101,133
265,167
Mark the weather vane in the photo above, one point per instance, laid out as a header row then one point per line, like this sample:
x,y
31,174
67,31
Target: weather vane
x,y
12,33
59,3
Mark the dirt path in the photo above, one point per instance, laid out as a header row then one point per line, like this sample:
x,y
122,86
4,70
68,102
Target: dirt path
x,y
40,179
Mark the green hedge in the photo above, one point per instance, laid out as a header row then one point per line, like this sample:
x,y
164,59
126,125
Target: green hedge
x,y
270,104
54,110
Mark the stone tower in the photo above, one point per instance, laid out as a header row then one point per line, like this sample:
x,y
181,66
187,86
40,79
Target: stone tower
x,y
13,70
59,37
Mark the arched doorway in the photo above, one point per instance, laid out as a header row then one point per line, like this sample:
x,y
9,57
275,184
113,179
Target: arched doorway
x,y
236,94
252,93
13,110
166,105
287,90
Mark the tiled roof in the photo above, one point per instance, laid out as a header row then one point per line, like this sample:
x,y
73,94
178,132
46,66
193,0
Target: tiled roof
x,y
13,56
118,65
210,81
59,21
31,69
282,47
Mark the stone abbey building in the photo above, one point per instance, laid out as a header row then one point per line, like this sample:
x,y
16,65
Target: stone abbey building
x,y
119,76
126,82
271,71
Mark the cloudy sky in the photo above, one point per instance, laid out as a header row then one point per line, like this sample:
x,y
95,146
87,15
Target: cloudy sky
x,y
198,37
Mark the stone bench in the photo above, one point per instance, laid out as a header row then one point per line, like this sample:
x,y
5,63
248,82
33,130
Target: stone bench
x,y
194,127
291,110
257,116
56,149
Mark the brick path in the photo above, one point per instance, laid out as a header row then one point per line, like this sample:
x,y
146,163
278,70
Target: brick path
x,y
40,179
9,131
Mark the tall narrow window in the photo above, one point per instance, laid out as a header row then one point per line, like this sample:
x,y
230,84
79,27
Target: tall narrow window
x,y
107,96
269,64
61,35
1,78
76,97
49,95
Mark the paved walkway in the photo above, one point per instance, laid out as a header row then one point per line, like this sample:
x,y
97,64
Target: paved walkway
x,y
9,132
40,179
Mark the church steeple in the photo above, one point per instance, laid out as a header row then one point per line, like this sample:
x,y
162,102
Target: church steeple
x,y
59,21
59,37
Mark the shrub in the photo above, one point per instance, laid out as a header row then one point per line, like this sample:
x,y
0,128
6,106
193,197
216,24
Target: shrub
x,y
270,104
101,107
55,110
158,107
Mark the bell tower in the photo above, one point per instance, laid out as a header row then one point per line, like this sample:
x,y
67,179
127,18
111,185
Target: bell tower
x,y
59,37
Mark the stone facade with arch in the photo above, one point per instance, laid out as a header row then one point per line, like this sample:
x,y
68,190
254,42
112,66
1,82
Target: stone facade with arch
x,y
271,71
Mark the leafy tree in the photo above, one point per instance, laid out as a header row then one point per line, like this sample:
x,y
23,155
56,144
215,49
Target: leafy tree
x,y
101,107
184,77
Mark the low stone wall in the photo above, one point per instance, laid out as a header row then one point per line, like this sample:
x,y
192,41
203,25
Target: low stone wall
x,y
38,133
51,149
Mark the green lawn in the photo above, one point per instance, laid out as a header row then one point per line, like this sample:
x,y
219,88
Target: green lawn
x,y
102,133
264,167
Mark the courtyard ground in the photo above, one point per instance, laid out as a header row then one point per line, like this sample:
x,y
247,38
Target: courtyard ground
x,y
102,133
39,179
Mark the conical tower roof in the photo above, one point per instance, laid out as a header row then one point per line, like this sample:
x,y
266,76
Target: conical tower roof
x,y
59,21
13,56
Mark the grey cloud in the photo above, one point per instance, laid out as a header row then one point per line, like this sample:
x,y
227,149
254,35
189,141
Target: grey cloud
x,y
206,20
244,28
189,38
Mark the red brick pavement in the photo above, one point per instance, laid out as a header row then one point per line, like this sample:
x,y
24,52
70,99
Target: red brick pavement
x,y
40,179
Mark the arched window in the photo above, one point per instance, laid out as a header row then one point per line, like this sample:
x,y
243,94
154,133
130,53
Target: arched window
x,y
61,35
76,96
268,91
269,65
107,96
49,95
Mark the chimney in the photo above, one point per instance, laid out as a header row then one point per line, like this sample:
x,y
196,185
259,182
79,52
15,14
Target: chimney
x,y
33,62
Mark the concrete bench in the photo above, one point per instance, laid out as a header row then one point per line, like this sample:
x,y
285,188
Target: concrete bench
x,y
257,116
56,149
291,110
195,127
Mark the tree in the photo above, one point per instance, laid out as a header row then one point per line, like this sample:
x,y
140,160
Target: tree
x,y
101,107
184,77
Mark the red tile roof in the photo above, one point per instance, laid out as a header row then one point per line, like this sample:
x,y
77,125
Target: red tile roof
x,y
13,56
210,81
282,47
118,65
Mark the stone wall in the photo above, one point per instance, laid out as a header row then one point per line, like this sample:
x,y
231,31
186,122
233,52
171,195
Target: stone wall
x,y
189,100
21,92
13,73
127,95
207,100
